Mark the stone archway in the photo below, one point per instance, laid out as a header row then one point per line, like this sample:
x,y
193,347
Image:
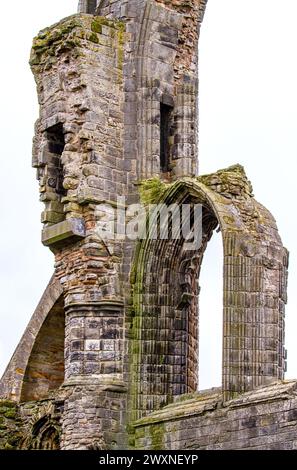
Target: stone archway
x,y
45,368
165,299
44,435
14,383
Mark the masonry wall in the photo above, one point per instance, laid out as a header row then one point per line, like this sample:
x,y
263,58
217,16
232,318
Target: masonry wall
x,y
161,66
78,67
122,339
263,419
31,425
9,420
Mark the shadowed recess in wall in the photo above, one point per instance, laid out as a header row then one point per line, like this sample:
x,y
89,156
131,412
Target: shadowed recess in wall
x,y
45,369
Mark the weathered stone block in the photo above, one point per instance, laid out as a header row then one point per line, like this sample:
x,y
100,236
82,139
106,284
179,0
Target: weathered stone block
x,y
68,230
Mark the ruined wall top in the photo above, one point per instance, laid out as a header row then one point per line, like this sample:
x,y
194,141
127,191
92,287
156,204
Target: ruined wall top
x,y
181,6
152,83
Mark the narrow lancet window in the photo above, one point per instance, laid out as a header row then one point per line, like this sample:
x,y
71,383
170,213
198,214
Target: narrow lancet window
x,y
91,6
56,144
165,126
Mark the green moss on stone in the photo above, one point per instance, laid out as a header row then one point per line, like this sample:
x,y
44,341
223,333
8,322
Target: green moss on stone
x,y
100,21
121,42
7,410
53,41
96,27
120,57
11,414
68,34
231,181
93,38
9,425
13,440
7,404
157,432
136,347
152,190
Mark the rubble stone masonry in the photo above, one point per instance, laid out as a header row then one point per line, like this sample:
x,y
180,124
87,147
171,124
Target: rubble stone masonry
x,y
109,359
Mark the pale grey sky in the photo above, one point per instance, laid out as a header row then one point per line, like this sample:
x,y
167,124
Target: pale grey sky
x,y
248,115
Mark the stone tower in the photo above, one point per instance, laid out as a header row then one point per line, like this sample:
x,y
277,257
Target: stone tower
x,y
114,340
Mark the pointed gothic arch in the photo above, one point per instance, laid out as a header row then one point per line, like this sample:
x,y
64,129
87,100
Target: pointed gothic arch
x,y
44,372
165,343
44,434
39,357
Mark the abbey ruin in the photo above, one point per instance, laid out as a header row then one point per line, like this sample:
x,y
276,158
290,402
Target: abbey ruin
x,y
109,359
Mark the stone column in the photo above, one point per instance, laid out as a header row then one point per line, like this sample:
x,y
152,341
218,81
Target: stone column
x,y
94,409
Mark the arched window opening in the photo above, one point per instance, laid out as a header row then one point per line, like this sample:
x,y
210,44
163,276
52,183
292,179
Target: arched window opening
x,y
87,6
56,144
91,6
210,315
166,294
45,435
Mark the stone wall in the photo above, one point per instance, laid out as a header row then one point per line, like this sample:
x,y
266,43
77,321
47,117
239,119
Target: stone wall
x,y
115,337
165,295
101,82
263,419
31,425
187,51
77,65
95,417
154,73
10,422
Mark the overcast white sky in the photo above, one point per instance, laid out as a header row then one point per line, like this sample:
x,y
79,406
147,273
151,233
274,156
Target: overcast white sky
x,y
248,115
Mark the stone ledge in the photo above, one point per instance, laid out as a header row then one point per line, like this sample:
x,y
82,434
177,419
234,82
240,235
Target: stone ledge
x,y
102,382
210,400
68,230
275,391
99,308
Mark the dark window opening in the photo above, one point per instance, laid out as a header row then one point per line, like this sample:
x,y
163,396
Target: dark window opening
x,y
56,145
56,140
92,5
45,435
165,128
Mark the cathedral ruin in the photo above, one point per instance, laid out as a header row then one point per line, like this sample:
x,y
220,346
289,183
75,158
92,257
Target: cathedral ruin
x,y
109,359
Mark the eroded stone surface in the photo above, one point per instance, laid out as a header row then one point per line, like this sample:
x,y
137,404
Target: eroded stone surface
x,y
115,337
264,419
30,426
